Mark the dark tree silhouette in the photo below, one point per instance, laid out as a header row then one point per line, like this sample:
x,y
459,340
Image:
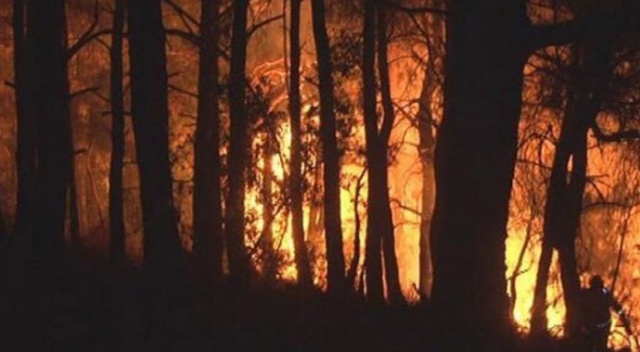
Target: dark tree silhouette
x,y
26,142
3,229
373,250
239,265
475,158
379,173
163,256
380,229
295,178
116,206
207,199
48,90
589,75
330,154
426,118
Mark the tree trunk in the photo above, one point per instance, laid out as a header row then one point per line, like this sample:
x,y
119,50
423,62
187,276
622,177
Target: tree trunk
x,y
72,193
373,260
295,178
49,106
426,120
380,230
164,262
330,154
269,257
117,237
26,129
568,175
474,161
539,307
238,149
386,220
207,196
3,228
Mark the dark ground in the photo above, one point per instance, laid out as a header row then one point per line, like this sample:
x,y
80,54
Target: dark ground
x,y
94,312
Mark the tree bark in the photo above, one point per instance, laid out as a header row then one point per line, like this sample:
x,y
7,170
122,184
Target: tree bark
x,y
380,230
49,107
295,178
474,161
238,149
117,237
373,250
207,195
426,122
539,307
330,154
269,257
164,262
3,229
568,176
26,129
386,220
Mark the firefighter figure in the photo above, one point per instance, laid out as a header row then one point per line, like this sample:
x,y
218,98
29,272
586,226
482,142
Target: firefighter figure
x,y
597,301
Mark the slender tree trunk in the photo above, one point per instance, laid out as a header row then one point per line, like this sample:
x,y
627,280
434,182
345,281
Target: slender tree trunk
x,y
373,250
539,306
117,237
568,176
26,131
426,146
207,196
49,104
238,149
330,154
474,161
268,255
426,119
295,178
380,230
387,228
164,262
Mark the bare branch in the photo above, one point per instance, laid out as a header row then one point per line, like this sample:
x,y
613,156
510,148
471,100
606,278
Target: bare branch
x,y
89,35
259,25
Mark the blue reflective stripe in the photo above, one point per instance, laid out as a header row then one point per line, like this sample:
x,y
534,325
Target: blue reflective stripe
x,y
604,324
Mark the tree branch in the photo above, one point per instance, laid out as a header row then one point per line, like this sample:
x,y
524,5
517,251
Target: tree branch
x,y
417,10
89,35
259,25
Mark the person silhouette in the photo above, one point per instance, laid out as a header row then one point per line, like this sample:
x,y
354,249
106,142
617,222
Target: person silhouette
x,y
597,303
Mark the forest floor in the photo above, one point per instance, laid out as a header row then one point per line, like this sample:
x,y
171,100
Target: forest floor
x,y
94,312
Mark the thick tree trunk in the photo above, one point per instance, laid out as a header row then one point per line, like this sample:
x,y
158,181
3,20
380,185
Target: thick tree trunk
x,y
330,154
238,150
295,178
475,157
117,237
26,131
3,228
568,175
164,262
588,83
49,106
207,196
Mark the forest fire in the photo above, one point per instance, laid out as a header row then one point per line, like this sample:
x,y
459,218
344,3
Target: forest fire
x,y
375,154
